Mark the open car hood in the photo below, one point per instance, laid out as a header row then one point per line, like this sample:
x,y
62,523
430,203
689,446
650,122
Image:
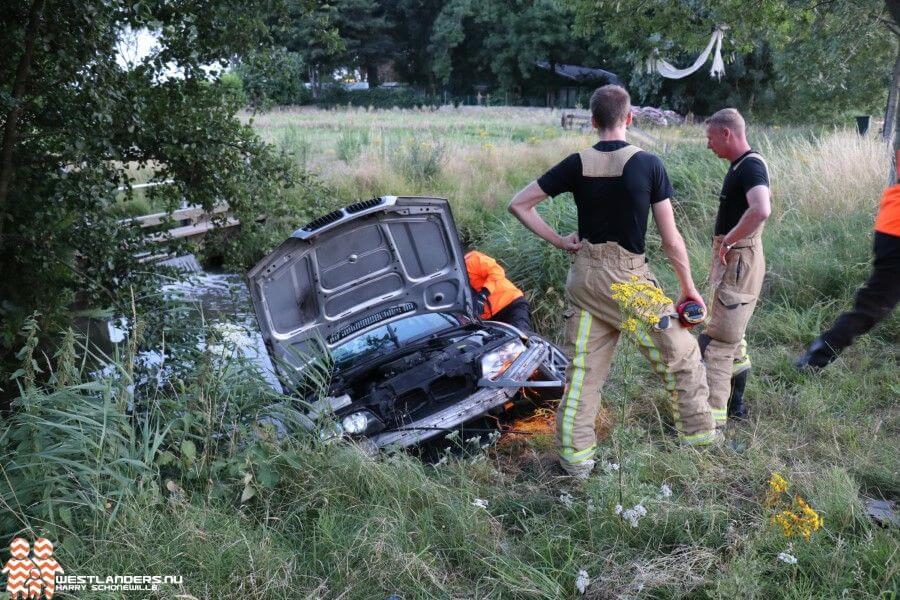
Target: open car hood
x,y
355,269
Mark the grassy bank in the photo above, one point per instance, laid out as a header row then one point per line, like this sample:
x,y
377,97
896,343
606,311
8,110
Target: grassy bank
x,y
327,521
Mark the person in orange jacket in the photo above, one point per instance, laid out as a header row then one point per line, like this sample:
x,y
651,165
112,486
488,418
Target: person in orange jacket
x,y
496,297
875,299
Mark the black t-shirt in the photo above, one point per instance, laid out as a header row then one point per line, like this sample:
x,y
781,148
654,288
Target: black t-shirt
x,y
745,173
612,209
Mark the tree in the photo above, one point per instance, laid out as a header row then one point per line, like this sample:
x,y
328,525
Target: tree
x,y
273,76
816,59
892,112
411,22
498,43
76,124
827,56
310,33
364,29
339,34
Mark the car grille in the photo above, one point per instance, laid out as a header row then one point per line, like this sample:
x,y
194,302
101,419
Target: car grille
x,y
448,387
419,403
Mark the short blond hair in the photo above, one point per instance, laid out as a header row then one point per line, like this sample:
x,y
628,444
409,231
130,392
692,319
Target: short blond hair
x,y
728,118
610,105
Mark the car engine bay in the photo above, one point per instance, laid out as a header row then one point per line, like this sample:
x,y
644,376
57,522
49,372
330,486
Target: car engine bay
x,y
422,378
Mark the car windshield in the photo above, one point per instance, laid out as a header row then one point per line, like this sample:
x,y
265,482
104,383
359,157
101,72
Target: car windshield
x,y
391,337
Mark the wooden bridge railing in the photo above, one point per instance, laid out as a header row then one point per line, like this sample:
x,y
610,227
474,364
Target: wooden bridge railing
x,y
192,221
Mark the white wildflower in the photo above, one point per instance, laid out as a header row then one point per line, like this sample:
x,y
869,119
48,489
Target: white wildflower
x,y
665,491
633,515
618,509
611,466
590,505
787,558
566,499
479,503
491,440
582,581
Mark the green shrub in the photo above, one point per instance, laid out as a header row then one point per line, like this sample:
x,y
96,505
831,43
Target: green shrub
x,y
294,143
419,161
351,143
274,77
233,89
335,95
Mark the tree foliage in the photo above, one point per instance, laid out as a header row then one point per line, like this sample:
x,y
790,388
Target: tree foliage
x,y
273,76
798,59
498,43
78,125
785,60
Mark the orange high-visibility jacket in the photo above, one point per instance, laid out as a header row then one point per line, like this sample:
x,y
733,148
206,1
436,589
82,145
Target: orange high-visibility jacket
x,y
888,219
485,272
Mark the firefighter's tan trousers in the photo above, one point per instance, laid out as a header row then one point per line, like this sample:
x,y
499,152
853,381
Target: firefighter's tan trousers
x,y
592,330
734,291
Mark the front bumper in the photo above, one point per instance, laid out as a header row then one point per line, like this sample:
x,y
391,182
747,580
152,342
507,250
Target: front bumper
x,y
475,405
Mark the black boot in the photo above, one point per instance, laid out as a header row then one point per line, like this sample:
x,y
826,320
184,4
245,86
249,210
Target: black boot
x,y
736,408
819,355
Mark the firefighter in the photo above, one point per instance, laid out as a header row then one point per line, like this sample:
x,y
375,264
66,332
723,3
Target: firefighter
x,y
875,299
615,186
738,265
497,298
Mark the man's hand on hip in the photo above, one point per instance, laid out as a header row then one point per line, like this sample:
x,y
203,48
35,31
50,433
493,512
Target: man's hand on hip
x,y
569,243
724,249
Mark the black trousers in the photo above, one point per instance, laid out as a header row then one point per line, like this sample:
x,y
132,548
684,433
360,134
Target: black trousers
x,y
875,299
517,313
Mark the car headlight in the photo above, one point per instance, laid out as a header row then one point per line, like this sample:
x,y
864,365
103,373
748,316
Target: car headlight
x,y
355,423
496,362
361,422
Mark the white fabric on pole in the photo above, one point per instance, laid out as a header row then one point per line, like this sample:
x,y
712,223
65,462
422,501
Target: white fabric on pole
x,y
669,71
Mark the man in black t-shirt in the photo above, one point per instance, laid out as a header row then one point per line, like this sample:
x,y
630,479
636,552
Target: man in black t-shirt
x,y
615,187
738,265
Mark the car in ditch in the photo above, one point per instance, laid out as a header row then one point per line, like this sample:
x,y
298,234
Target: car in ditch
x,y
380,290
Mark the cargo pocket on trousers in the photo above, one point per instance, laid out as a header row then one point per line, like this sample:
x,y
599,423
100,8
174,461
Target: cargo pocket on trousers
x,y
731,298
731,312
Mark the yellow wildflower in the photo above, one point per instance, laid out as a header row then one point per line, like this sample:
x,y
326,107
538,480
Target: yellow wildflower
x,y
639,302
778,485
630,325
794,517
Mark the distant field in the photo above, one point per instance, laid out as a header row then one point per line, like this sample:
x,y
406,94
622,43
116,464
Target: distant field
x,y
475,156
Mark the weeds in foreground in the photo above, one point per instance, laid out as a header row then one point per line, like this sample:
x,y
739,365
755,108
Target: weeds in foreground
x,y
641,305
102,431
793,515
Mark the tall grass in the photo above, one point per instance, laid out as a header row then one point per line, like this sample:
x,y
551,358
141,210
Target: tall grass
x,y
103,431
